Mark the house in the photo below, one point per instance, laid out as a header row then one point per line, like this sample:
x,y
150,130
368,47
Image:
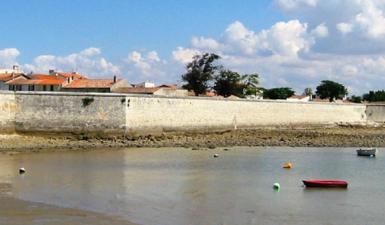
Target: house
x,y
162,90
5,77
42,82
299,98
95,85
36,82
145,84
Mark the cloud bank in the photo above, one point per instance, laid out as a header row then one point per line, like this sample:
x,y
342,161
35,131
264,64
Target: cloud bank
x,y
339,40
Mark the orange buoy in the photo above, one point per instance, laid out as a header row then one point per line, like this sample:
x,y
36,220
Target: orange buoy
x,y
287,166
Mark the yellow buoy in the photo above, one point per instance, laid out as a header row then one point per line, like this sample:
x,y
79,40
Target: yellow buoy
x,y
287,166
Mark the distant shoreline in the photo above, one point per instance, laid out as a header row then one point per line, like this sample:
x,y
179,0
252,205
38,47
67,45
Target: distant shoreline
x,y
305,137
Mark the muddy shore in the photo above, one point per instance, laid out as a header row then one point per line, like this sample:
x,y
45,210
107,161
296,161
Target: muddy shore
x,y
311,137
17,212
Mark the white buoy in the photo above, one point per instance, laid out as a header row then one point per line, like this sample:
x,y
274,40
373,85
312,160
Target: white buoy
x,y
216,155
21,170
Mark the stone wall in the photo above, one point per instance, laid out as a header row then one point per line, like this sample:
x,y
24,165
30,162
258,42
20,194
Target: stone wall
x,y
8,109
155,113
62,112
118,113
376,113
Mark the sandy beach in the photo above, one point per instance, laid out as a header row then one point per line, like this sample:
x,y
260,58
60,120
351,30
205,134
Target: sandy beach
x,y
17,212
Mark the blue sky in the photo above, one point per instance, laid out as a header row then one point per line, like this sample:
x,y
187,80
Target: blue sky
x,y
117,27
295,43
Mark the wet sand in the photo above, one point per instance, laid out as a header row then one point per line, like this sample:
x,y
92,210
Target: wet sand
x,y
294,137
19,212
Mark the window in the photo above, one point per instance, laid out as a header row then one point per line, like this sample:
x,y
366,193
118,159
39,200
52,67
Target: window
x,y
18,87
31,87
44,88
11,87
51,88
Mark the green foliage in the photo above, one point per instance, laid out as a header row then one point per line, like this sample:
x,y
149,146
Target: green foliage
x,y
356,99
375,96
251,80
87,101
331,90
278,93
199,72
228,83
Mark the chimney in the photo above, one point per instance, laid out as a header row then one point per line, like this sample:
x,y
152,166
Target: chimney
x,y
114,79
51,72
15,68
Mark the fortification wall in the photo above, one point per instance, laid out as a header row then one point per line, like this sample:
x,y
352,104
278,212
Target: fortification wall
x,y
8,109
376,113
62,112
115,113
154,113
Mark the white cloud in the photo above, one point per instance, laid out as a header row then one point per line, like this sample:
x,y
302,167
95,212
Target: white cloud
x,y
138,61
8,57
140,66
184,55
295,4
320,31
286,38
371,19
205,43
238,38
349,70
153,56
344,28
87,61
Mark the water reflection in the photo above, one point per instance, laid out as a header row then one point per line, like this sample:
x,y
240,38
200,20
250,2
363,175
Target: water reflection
x,y
179,186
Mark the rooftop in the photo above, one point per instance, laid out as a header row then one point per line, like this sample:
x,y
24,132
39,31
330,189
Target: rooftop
x,y
91,83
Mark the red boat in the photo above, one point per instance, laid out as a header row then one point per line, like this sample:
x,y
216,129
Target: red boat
x,y
326,183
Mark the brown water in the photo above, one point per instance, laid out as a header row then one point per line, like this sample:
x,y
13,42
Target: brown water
x,y
185,187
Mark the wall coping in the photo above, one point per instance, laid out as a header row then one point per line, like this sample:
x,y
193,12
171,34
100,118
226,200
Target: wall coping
x,y
46,93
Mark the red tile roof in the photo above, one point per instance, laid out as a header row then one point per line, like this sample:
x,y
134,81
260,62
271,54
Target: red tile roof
x,y
70,75
36,82
136,90
8,76
91,83
45,77
38,79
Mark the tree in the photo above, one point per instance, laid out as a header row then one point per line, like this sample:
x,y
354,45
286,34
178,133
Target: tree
x,y
374,96
355,99
308,92
278,93
251,87
228,83
331,90
199,72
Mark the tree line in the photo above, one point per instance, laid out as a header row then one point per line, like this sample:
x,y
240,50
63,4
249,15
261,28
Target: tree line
x,y
204,74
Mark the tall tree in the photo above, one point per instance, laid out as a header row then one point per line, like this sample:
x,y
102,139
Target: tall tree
x,y
228,83
251,82
199,72
375,96
278,93
331,90
308,92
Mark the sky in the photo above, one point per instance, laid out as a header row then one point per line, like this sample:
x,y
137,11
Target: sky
x,y
294,43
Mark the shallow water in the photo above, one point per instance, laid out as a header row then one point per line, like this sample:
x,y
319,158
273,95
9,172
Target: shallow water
x,y
181,186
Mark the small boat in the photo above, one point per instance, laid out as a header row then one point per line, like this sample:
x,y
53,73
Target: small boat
x,y
326,183
366,152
